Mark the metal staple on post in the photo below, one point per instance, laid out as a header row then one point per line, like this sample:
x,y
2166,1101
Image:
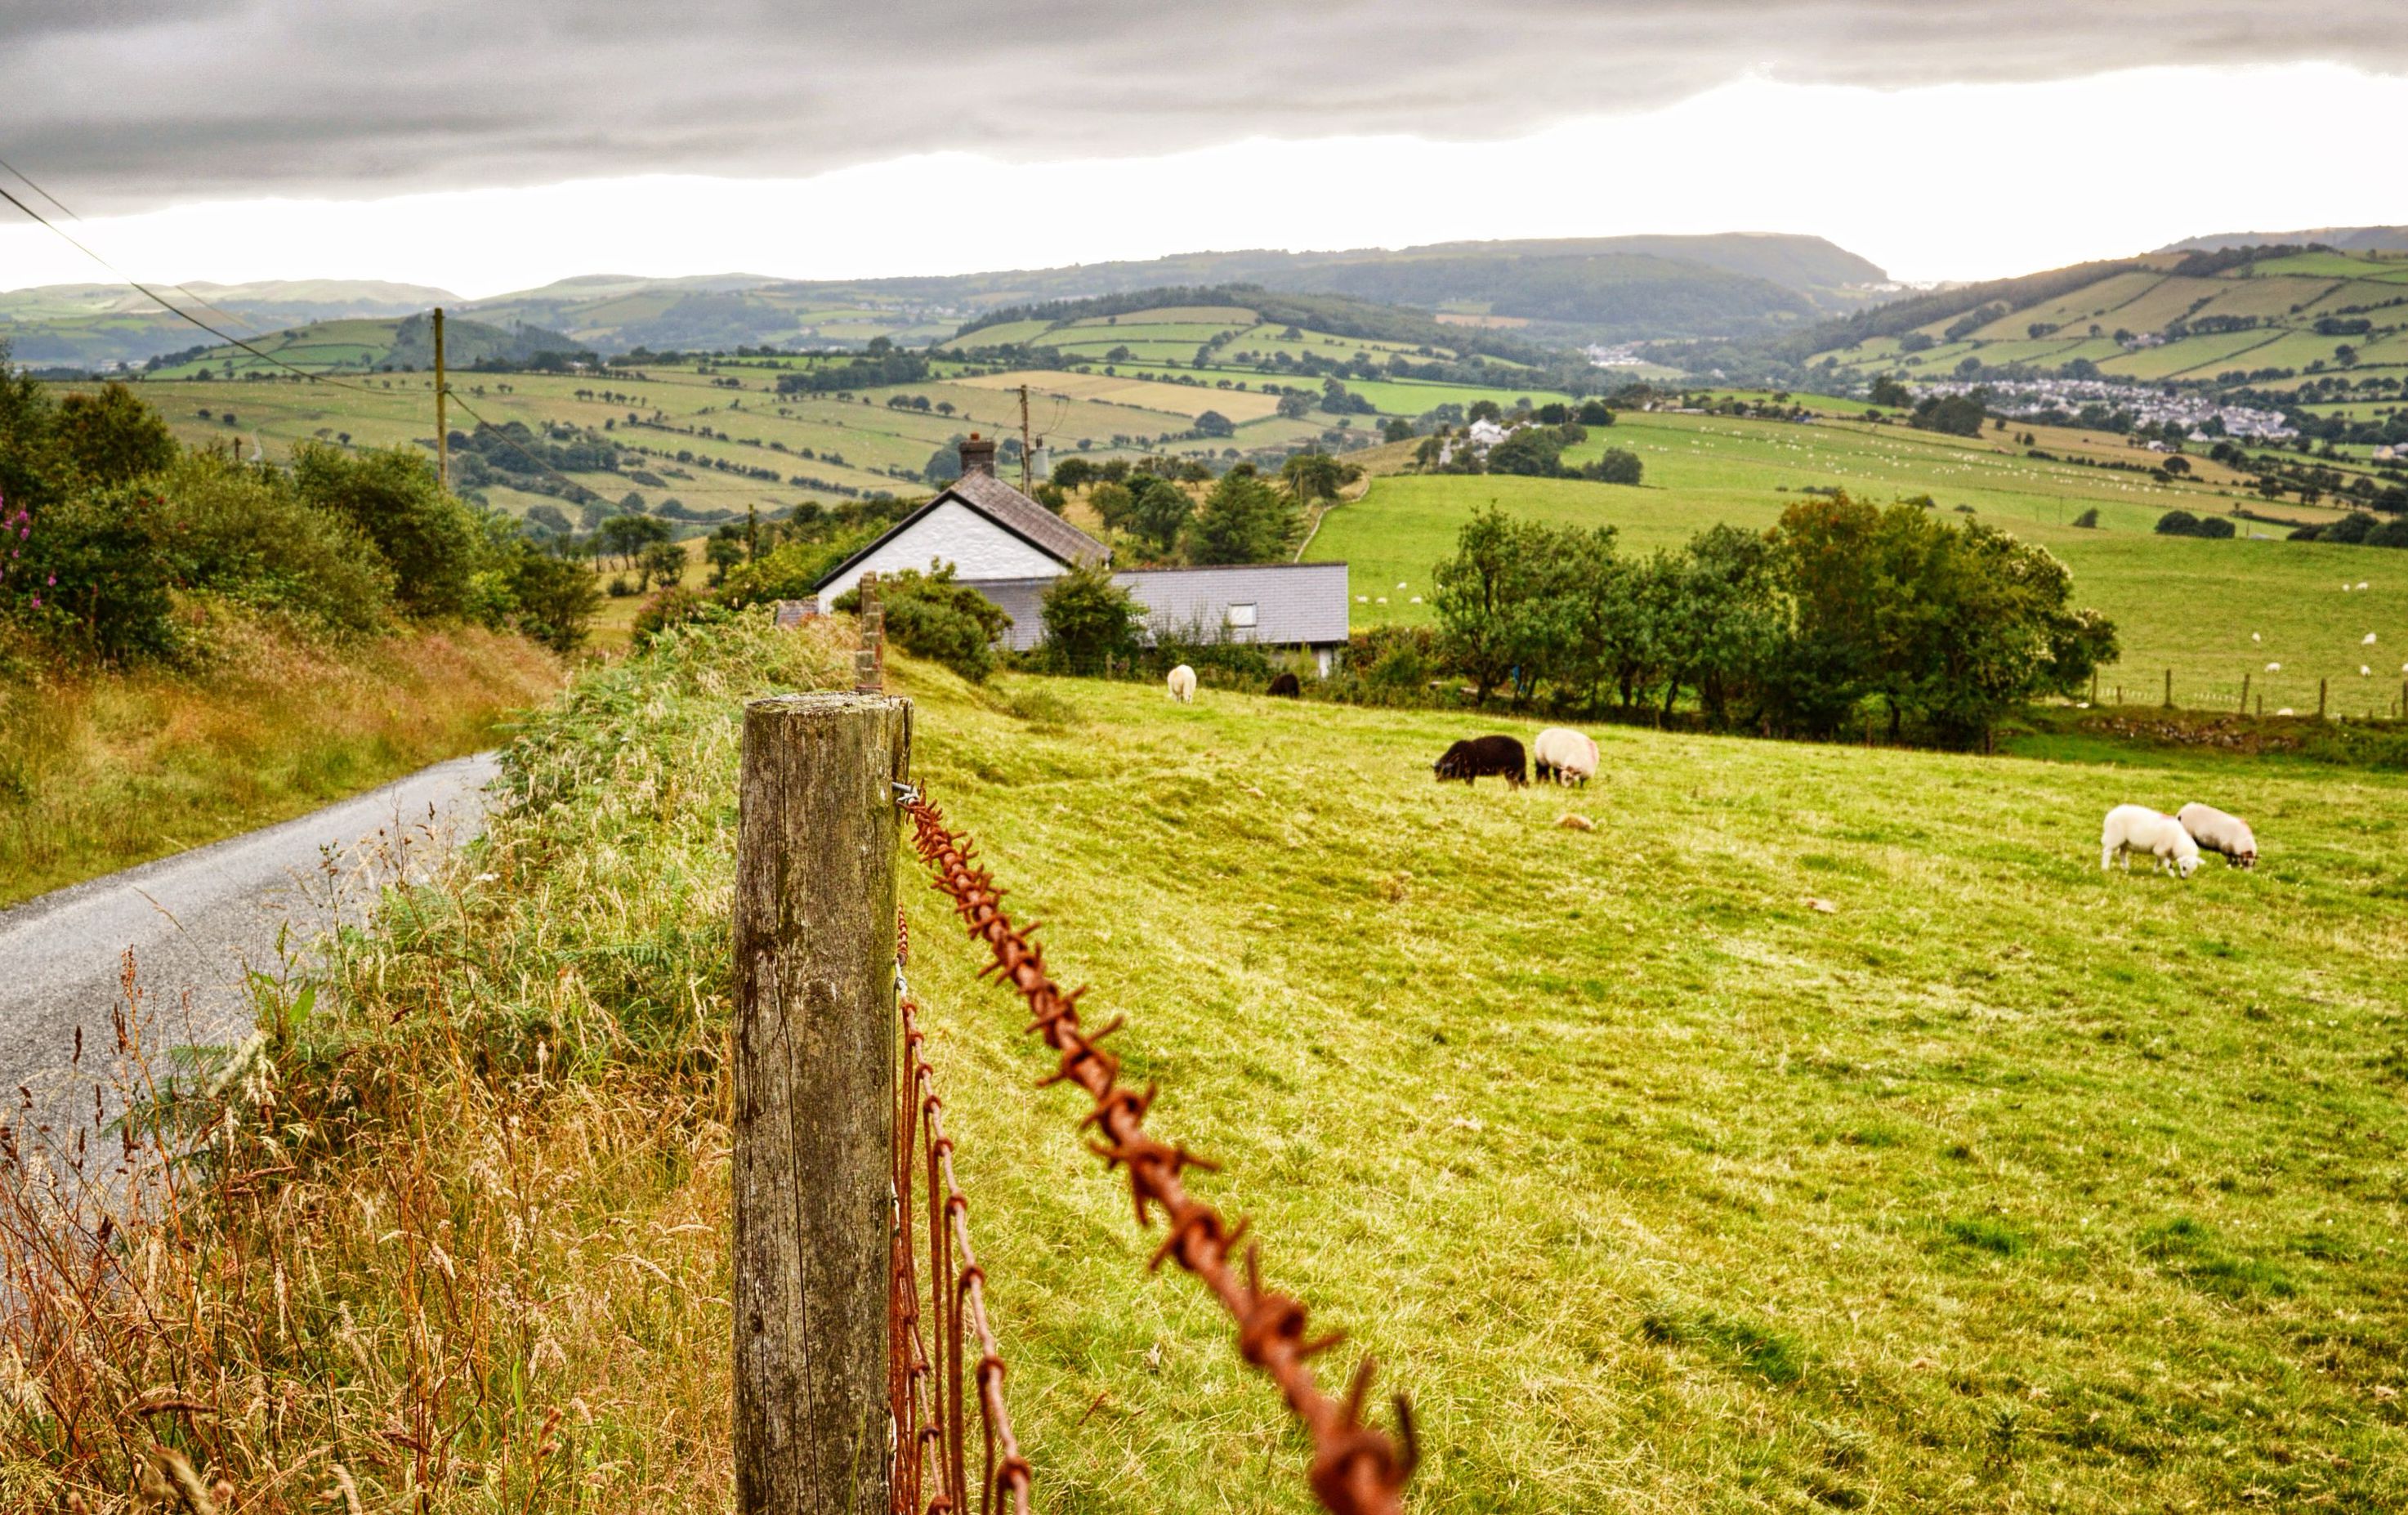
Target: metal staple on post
x,y
1356,1469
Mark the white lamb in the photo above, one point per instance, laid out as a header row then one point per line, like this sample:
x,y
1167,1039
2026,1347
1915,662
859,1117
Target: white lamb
x,y
1568,757
1183,684
2136,828
2217,832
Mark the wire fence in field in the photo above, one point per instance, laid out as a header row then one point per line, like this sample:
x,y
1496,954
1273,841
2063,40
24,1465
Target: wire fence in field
x,y
1356,1468
936,1324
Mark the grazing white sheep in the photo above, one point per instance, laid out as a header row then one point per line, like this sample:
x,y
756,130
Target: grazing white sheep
x,y
1183,684
1568,757
2284,711
2367,640
2365,672
2136,828
2273,667
2361,583
2217,832
2254,636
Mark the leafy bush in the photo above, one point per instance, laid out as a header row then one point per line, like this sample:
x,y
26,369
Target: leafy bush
x,y
99,570
2089,519
930,615
1088,619
673,605
391,496
1614,465
1243,521
2182,523
245,531
554,599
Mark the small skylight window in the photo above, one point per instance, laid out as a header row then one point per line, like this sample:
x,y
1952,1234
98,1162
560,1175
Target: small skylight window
x,y
1242,615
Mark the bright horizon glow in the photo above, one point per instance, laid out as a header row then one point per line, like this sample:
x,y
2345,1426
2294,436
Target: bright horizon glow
x,y
1957,182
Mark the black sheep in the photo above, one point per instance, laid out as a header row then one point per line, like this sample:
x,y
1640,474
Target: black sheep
x,y
1474,756
1286,684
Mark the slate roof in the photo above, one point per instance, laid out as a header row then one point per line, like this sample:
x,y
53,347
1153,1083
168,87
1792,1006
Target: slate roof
x,y
1006,508
1293,602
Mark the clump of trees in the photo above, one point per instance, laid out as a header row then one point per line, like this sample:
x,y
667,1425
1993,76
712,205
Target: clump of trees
x,y
929,615
1841,611
122,542
2182,523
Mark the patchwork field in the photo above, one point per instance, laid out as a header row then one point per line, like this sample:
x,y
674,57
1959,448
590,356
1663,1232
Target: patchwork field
x,y
2285,298
2181,604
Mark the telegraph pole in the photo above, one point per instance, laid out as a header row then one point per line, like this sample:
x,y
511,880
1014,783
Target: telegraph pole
x,y
1028,459
443,430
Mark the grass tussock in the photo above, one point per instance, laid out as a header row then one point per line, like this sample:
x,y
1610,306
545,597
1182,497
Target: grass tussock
x,y
101,770
2001,1184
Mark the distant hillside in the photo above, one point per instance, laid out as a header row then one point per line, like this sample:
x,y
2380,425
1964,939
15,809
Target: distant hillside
x,y
1554,292
365,346
100,325
1596,289
2339,239
1208,321
2327,327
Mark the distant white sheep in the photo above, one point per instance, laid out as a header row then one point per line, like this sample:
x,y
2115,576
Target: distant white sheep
x,y
1568,757
2254,636
2217,832
2136,828
2273,667
2367,640
1183,684
2361,583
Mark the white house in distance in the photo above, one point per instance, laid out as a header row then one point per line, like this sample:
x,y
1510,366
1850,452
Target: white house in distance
x,y
1010,548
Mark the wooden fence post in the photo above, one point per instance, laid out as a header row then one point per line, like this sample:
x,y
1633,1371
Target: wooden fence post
x,y
2321,698
814,938
2170,688
2244,693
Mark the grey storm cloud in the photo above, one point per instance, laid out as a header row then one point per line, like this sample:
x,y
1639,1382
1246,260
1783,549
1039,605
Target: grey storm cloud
x,y
127,104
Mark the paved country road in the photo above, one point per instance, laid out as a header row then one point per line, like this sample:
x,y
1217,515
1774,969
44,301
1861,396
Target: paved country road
x,y
195,921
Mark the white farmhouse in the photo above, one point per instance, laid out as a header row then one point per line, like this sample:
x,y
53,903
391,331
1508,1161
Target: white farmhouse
x,y
1009,549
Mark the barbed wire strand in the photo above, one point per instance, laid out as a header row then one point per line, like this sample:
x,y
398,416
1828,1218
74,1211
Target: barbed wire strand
x,y
928,1403
1356,1469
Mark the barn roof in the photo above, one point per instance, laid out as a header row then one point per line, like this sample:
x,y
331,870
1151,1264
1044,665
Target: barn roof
x,y
1006,508
1293,602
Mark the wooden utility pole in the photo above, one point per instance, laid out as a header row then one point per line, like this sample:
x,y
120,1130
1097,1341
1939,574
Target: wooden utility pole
x,y
442,426
1027,458
814,938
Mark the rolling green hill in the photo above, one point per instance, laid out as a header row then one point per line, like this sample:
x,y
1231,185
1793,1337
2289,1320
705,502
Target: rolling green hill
x,y
2281,318
364,345
99,325
2182,605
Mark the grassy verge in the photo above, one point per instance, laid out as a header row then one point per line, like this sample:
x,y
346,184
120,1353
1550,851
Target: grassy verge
x,y
1821,1130
103,771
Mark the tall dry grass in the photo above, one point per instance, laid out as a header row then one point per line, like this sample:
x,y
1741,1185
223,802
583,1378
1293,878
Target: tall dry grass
x,y
99,771
447,1232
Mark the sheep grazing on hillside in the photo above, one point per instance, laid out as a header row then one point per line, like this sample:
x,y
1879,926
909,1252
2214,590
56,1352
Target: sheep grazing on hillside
x,y
1475,756
1181,683
2217,832
1564,757
1287,686
2136,828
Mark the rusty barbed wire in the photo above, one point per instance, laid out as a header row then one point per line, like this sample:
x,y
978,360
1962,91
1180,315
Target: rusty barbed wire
x,y
926,1397
1356,1469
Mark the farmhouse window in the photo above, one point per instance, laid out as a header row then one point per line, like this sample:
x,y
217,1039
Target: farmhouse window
x,y
1242,616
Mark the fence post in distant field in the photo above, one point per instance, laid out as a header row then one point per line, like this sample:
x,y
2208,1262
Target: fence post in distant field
x,y
2094,686
2244,693
2170,688
815,941
2320,697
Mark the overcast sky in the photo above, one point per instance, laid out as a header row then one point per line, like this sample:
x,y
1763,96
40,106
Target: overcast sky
x,y
504,143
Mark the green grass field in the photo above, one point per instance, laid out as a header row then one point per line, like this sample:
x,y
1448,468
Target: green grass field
x,y
2001,1185
2181,604
1822,1131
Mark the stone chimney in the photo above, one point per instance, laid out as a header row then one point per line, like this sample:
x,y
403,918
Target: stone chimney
x,y
978,457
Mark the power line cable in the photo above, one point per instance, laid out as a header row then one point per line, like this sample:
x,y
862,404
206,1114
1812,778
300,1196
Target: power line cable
x,y
168,305
63,209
